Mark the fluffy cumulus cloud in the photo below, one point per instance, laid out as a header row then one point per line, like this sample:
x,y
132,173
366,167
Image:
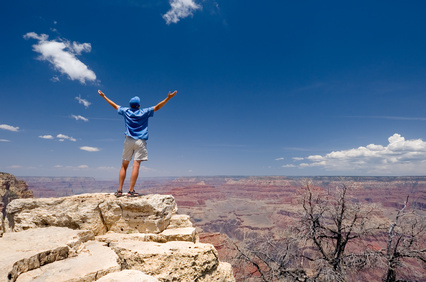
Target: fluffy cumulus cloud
x,y
180,9
9,127
62,54
89,149
399,157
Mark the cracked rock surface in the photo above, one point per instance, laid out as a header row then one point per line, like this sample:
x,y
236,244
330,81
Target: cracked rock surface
x,y
31,249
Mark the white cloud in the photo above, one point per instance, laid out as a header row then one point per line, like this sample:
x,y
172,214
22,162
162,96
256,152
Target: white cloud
x,y
89,149
83,166
62,55
298,159
399,157
9,127
4,140
46,137
79,118
180,9
288,165
83,101
63,137
279,159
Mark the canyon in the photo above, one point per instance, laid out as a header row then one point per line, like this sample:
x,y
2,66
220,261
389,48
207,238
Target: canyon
x,y
228,209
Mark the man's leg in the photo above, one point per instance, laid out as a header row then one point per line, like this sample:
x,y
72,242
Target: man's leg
x,y
135,174
122,174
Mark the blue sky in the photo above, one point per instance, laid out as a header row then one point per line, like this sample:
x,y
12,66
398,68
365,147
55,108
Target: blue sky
x,y
264,87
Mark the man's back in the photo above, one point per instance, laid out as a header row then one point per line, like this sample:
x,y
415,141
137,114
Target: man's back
x,y
136,121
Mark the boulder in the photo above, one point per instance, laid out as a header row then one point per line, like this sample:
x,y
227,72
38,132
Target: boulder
x,y
223,273
31,249
188,234
97,212
145,214
173,261
180,221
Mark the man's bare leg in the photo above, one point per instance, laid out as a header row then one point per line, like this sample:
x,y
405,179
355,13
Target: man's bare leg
x,y
134,176
122,174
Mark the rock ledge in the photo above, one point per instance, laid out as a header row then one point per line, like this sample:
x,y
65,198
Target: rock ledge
x,y
98,237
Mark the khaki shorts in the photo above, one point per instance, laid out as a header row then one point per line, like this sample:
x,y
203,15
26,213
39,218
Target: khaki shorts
x,y
136,148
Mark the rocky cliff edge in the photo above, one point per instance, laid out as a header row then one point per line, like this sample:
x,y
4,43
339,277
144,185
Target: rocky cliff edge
x,y
98,237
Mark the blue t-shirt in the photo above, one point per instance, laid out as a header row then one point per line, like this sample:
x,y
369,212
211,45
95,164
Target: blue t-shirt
x,y
136,121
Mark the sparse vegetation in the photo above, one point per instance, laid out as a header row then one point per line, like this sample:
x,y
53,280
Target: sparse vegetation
x,y
338,238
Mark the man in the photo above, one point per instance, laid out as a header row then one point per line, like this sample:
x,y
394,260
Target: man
x,y
136,121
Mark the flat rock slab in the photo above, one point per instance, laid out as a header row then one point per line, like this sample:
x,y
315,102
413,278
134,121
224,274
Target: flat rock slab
x,y
188,234
98,212
30,249
128,276
171,261
93,262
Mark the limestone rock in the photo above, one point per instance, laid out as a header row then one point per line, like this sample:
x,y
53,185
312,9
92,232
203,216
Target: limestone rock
x,y
112,237
180,221
145,214
128,276
97,212
137,239
30,249
188,234
172,261
93,262
223,273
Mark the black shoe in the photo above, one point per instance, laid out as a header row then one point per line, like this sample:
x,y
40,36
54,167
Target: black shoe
x,y
132,194
119,194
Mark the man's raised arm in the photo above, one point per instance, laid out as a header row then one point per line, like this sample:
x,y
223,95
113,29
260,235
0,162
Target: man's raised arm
x,y
114,105
162,103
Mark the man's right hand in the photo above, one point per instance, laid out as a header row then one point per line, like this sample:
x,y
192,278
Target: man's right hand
x,y
114,105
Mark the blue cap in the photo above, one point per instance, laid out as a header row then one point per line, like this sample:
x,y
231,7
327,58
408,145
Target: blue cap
x,y
135,102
